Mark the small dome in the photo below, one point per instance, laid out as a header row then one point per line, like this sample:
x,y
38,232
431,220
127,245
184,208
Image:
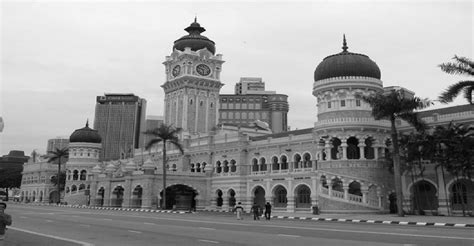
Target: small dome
x,y
85,135
194,39
346,64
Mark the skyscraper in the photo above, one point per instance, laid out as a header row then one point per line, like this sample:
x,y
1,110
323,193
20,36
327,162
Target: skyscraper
x,y
120,121
57,143
152,122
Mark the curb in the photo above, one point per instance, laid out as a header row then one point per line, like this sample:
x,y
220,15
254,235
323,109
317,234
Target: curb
x,y
387,222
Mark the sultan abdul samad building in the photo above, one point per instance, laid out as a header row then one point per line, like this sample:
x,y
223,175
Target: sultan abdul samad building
x,y
338,164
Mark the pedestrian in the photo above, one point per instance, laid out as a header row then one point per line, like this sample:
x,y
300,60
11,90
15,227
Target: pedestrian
x,y
268,211
5,219
256,211
238,209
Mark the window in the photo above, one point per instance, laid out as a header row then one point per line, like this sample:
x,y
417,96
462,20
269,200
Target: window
x,y
201,103
329,104
191,102
358,102
343,103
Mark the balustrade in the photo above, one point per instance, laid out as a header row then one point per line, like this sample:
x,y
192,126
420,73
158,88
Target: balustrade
x,y
337,194
354,198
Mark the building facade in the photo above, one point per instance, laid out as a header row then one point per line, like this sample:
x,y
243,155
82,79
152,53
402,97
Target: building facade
x,y
120,120
251,103
338,164
57,143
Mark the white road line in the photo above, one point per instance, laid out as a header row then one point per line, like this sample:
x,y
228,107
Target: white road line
x,y
52,236
207,241
286,235
149,223
206,228
23,217
106,219
49,221
138,232
84,225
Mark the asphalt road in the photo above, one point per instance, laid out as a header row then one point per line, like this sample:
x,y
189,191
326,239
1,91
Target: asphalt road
x,y
43,225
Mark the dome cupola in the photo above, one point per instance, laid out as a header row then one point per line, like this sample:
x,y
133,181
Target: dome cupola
x,y
346,63
85,135
194,39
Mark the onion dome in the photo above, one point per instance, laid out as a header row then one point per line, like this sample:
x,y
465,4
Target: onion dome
x,y
148,164
194,39
85,135
130,166
110,168
346,64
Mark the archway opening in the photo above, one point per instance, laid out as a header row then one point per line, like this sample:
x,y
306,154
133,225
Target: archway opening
x,y
336,150
354,188
180,197
280,200
353,151
303,197
369,152
136,201
219,199
462,195
259,196
424,196
100,197
231,198
117,197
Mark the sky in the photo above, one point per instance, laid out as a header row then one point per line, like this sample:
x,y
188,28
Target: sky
x,y
57,56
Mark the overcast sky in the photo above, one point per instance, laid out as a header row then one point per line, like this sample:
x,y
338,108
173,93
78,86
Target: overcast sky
x,y
57,56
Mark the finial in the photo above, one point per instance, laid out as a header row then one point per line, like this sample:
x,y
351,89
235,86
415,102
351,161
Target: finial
x,y
344,43
87,122
195,18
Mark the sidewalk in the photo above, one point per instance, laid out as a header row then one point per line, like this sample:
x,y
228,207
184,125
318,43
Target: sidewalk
x,y
453,221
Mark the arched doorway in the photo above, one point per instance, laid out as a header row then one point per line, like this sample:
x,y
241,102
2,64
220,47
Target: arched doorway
x,y
354,188
180,197
219,199
117,197
137,197
53,196
259,196
100,197
41,196
462,195
231,198
303,197
424,196
280,200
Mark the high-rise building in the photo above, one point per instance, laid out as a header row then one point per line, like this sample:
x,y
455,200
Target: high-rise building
x,y
57,143
152,122
120,121
251,102
1,124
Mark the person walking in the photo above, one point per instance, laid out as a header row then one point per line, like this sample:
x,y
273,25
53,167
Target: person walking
x,y
238,209
5,220
268,211
256,211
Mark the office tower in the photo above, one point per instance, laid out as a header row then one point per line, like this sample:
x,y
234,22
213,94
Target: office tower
x,y
152,122
57,143
120,121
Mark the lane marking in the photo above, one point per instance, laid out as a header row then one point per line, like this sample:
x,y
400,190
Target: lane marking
x,y
287,235
207,241
106,219
23,217
149,223
49,221
138,232
206,228
84,225
52,236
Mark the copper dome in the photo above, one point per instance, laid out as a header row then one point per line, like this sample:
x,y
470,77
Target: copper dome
x,y
346,64
194,39
85,135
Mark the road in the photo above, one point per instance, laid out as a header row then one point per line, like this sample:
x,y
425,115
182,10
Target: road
x,y
73,226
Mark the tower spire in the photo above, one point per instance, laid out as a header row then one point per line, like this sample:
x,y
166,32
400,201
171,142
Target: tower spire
x,y
344,43
195,18
87,122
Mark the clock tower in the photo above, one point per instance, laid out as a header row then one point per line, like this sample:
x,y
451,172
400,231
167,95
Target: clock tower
x,y
193,82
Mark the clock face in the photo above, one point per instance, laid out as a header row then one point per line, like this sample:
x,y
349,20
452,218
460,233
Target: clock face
x,y
176,70
203,70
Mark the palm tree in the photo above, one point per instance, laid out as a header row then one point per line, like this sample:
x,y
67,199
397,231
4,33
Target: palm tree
x,y
58,155
164,134
462,66
394,105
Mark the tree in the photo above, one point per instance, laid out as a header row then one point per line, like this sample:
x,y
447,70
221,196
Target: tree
x,y
395,105
57,156
10,176
62,180
164,134
461,66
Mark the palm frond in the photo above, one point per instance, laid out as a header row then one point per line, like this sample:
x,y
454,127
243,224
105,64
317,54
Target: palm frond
x,y
468,93
178,145
464,60
453,91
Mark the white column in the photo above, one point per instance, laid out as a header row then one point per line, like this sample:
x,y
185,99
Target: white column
x,y
362,151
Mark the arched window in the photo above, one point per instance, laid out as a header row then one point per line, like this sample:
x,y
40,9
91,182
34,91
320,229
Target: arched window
x,y
280,196
83,174
192,167
306,160
353,151
218,167
298,161
303,197
254,165
324,182
82,186
174,167
337,184
75,175
369,148
226,166
354,188
198,167
203,167
284,163
275,164
263,165
73,188
336,150
233,167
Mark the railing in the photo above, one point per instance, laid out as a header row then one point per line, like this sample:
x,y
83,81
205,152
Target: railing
x,y
337,194
325,191
281,171
354,198
258,173
373,202
302,170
